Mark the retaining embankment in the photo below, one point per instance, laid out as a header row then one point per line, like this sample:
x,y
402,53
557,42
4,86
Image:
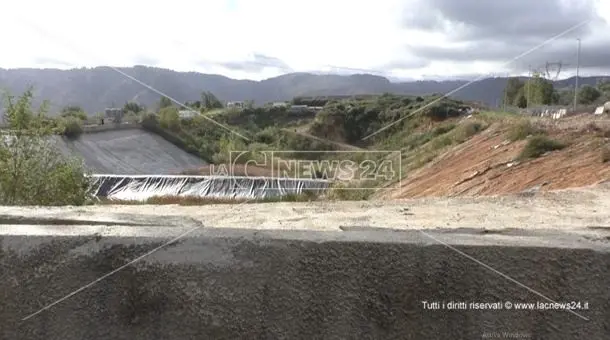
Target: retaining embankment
x,y
247,284
139,188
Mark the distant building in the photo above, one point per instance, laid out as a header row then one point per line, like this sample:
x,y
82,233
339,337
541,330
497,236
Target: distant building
x,y
237,104
114,114
299,108
187,114
279,104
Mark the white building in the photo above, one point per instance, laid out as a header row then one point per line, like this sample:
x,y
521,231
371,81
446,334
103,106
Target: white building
x,y
238,105
299,108
187,114
114,114
279,104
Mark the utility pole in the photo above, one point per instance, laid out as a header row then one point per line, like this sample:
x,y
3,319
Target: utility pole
x,y
529,84
577,73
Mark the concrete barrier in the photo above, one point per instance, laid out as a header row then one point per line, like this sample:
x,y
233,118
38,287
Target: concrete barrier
x,y
249,284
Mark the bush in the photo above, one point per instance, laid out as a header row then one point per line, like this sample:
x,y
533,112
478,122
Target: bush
x,y
539,145
522,130
72,128
267,136
32,170
465,131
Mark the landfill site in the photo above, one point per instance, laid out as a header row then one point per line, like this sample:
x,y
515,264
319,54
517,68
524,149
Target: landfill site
x,y
524,249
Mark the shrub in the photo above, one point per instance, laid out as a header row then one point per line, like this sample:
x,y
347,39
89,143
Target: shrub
x,y
72,128
32,170
539,145
267,136
465,131
522,130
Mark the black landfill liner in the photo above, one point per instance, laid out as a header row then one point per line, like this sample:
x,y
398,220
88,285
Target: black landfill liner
x,y
129,152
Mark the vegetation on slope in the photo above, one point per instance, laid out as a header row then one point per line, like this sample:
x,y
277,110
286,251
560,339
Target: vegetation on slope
x,y
539,145
32,170
537,91
420,127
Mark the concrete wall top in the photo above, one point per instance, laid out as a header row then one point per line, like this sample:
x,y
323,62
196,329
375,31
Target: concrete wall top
x,y
248,284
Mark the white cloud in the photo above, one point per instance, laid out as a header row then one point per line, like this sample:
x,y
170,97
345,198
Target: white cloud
x,y
181,35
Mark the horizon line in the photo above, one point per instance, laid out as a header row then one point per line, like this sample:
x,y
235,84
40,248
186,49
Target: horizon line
x,y
394,80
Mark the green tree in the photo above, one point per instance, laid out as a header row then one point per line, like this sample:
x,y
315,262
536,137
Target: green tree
x,y
74,111
72,127
169,118
196,105
588,95
521,100
32,170
209,101
165,102
133,107
539,91
511,91
604,87
565,97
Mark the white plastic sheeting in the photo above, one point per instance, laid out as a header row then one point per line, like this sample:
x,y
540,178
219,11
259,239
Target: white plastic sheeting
x,y
140,188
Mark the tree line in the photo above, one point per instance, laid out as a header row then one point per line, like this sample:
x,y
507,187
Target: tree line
x,y
538,91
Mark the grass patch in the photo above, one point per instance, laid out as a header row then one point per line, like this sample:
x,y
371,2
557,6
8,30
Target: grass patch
x,y
539,145
443,129
353,192
306,196
496,115
522,130
465,131
350,194
441,142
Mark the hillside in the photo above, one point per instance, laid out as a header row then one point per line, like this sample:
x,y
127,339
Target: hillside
x,y
490,163
446,149
445,152
96,88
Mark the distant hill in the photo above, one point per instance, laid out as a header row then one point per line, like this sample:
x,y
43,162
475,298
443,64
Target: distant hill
x,y
100,87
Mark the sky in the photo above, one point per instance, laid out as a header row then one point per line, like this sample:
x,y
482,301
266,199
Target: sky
x,y
247,39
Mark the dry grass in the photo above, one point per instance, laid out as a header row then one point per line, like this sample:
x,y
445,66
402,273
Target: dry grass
x,y
306,196
522,130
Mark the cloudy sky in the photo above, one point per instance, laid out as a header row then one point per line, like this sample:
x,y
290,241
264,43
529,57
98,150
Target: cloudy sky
x,y
257,39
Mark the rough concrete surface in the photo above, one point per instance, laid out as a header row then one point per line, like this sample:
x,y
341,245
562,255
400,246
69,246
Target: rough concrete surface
x,y
275,278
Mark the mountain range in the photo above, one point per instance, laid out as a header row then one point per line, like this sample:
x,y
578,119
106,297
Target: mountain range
x,y
94,89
